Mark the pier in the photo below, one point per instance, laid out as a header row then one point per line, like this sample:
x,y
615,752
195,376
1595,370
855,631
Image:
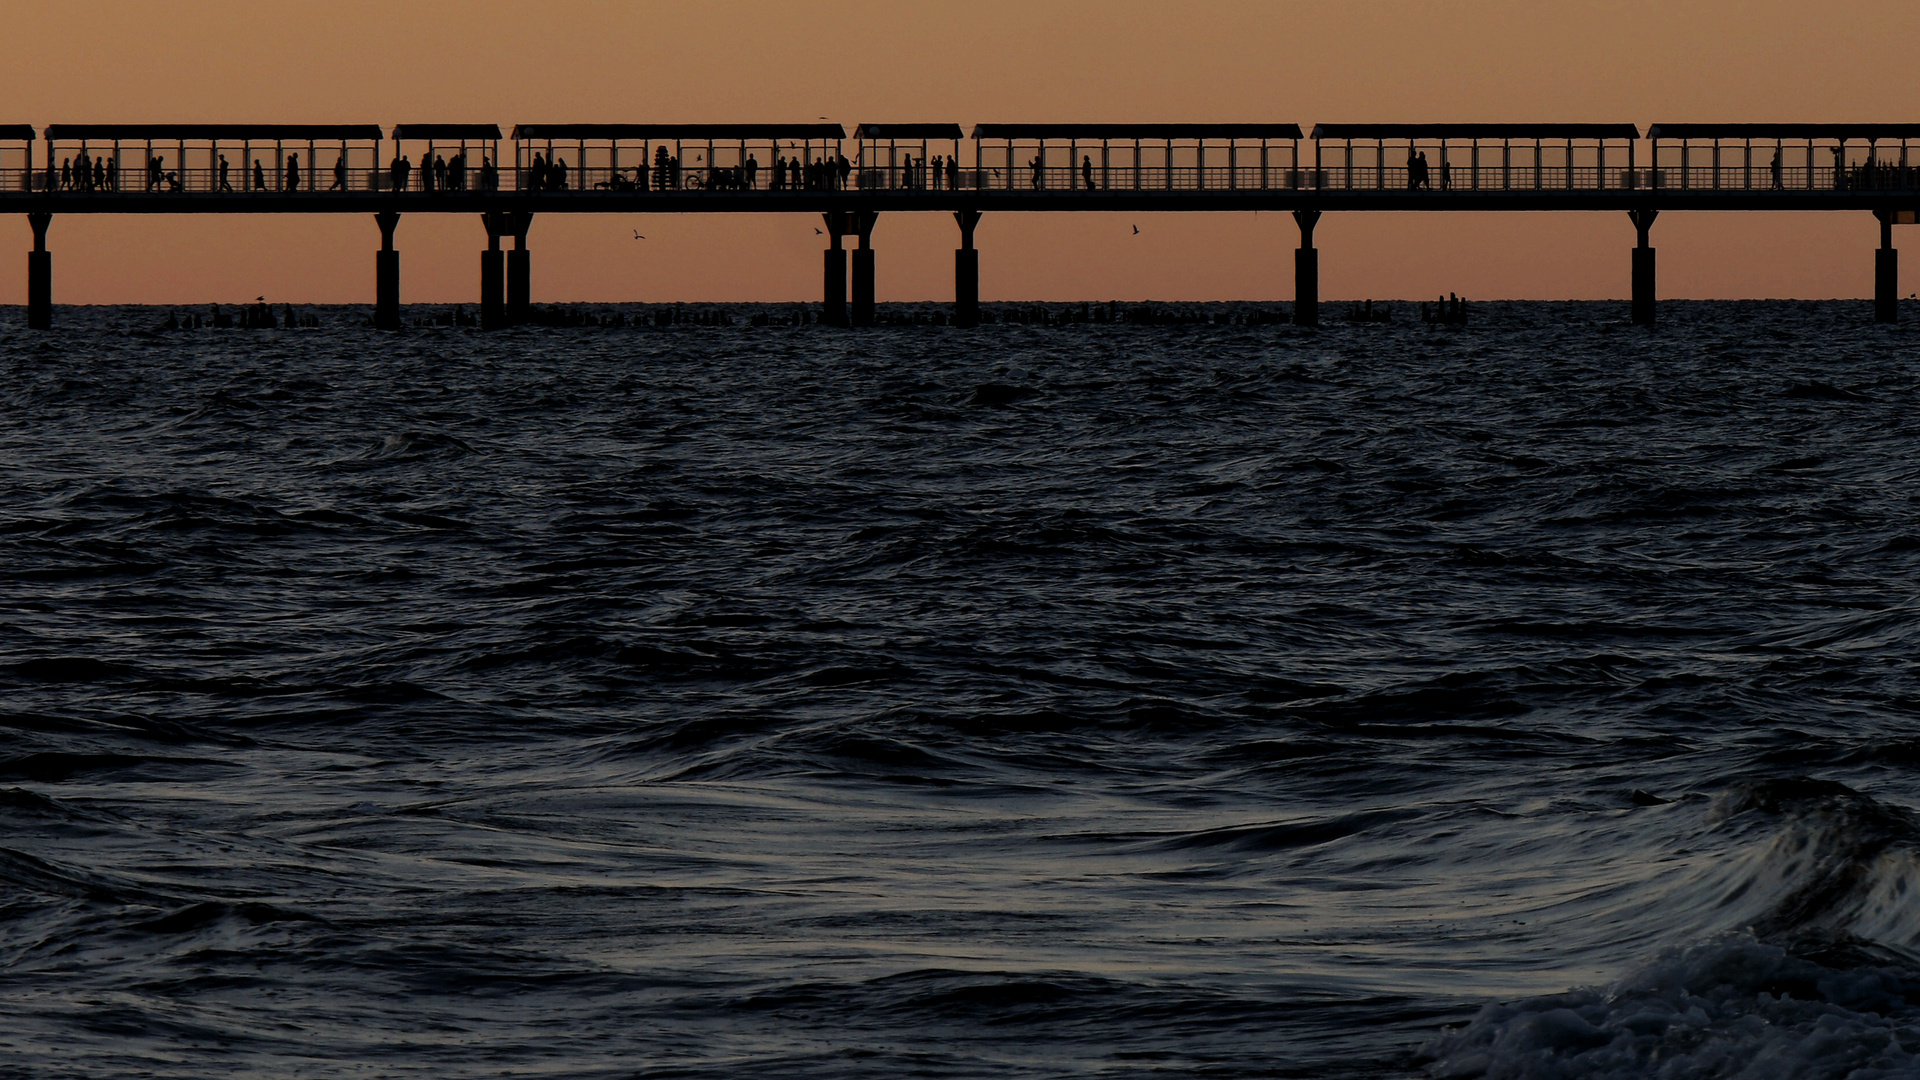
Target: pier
x,y
506,180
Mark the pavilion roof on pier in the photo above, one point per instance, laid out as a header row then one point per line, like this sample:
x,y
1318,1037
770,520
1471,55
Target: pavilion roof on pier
x,y
1838,132
1110,132
686,132
1516,132
215,132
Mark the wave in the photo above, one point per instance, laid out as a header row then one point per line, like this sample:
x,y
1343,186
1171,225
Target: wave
x,y
1819,977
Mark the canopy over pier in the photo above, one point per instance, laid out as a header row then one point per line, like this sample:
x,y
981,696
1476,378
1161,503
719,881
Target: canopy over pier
x,y
1136,157
16,157
1475,157
1786,157
192,158
675,157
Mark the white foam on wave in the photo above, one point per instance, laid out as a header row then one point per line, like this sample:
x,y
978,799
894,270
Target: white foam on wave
x,y
1729,1007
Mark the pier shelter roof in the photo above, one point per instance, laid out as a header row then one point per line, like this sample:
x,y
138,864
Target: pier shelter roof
x,y
1128,132
448,132
680,132
1504,132
228,133
1777,132
16,132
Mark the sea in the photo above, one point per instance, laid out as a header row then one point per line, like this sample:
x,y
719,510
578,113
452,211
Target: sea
x,y
1105,691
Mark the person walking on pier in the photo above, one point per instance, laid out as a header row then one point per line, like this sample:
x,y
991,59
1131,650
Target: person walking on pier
x,y
113,173
225,184
66,174
557,173
1038,178
1776,167
1086,170
293,172
339,173
259,176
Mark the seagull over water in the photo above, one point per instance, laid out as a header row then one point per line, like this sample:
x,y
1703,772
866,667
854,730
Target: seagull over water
x,y
637,236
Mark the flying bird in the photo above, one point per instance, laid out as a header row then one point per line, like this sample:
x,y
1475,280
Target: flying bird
x,y
1136,230
637,236
817,232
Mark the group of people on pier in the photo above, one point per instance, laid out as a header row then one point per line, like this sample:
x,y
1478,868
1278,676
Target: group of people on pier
x,y
440,173
813,174
921,173
84,173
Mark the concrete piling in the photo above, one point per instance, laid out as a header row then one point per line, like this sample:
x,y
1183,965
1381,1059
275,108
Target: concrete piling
x,y
1643,267
1306,272
386,277
966,272
39,275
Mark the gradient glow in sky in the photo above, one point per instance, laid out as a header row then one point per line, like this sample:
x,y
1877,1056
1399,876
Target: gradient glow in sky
x,y
558,61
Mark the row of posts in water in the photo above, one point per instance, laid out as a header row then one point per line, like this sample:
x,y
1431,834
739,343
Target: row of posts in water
x,y
1447,311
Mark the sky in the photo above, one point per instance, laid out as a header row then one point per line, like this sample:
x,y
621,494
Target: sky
x,y
993,61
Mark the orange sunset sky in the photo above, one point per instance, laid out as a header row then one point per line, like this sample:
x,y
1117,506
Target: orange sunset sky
x,y
556,61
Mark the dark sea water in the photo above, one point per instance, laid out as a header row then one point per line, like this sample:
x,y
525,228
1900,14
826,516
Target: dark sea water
x,y
1536,699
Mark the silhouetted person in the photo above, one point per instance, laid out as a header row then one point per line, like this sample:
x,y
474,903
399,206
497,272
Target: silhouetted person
x,y
113,174
66,174
439,173
99,174
559,173
259,176
842,168
1777,167
339,173
953,174
293,172
1086,170
1038,178
1839,167
225,184
155,165
1446,174
489,174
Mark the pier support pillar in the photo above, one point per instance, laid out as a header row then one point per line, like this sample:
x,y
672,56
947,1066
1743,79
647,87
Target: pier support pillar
x,y
966,272
39,275
862,305
1643,267
496,306
1306,272
1886,273
833,295
386,274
